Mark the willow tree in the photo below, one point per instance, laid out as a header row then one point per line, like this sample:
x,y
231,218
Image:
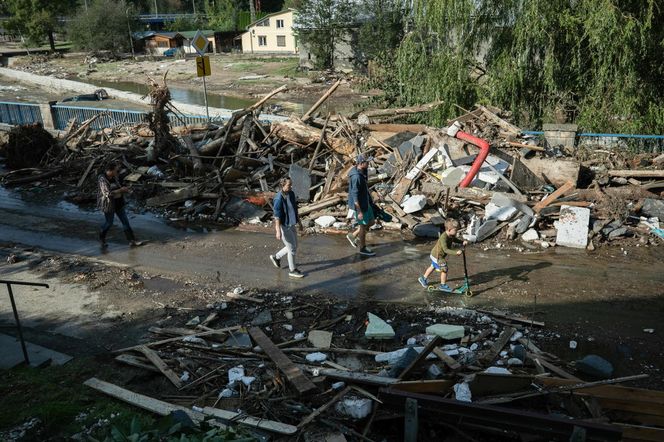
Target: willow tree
x,y
595,62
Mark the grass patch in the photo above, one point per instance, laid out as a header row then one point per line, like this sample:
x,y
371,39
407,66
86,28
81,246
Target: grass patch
x,y
56,395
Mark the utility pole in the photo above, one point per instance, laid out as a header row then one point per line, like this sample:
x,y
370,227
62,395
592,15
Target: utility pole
x,y
86,4
193,3
156,12
252,10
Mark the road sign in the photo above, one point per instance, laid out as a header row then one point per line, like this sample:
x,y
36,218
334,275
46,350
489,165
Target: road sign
x,y
200,43
203,66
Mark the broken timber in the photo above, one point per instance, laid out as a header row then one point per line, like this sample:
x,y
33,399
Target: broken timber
x,y
285,365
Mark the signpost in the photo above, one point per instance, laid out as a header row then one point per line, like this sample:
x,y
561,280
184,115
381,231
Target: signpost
x,y
200,43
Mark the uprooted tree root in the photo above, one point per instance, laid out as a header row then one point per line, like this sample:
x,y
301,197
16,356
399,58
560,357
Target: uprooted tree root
x,y
158,121
26,146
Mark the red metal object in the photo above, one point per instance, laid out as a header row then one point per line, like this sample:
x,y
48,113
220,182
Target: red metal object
x,y
477,164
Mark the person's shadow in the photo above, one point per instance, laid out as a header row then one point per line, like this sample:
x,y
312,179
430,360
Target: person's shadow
x,y
497,276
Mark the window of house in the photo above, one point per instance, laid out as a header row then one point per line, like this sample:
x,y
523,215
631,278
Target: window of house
x,y
280,24
262,40
265,22
162,44
281,40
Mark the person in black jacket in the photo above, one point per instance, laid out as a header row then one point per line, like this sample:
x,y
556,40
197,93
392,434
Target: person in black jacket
x,y
110,200
286,218
359,201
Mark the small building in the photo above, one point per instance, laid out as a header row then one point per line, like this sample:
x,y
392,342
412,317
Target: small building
x,y
159,42
272,34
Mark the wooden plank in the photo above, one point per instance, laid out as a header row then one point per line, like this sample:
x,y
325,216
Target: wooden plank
x,y
136,362
569,185
513,318
161,365
421,356
317,412
512,129
497,346
640,433
250,421
638,173
178,338
553,368
285,365
173,197
401,189
87,171
395,128
333,201
447,359
145,402
360,378
430,387
633,394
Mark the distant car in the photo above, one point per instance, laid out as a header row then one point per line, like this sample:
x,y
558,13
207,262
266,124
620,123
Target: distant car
x,y
170,52
99,94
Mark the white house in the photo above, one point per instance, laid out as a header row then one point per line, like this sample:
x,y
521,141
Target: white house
x,y
272,34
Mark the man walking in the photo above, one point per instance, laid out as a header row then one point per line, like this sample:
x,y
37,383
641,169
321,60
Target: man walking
x,y
110,200
286,218
359,200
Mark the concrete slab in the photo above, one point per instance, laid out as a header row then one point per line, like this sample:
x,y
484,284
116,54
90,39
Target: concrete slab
x,y
572,227
320,338
378,329
11,354
301,182
446,331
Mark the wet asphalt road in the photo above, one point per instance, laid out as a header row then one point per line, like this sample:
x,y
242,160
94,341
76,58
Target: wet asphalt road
x,y
568,284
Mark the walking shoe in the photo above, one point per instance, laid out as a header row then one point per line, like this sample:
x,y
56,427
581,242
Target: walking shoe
x,y
445,288
135,243
352,240
103,242
423,281
367,252
296,274
276,261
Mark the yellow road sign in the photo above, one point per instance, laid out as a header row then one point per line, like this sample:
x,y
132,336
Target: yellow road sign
x,y
203,66
200,43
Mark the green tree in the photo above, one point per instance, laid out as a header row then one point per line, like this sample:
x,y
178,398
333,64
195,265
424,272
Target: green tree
x,y
322,24
105,25
224,15
598,63
186,24
382,29
37,19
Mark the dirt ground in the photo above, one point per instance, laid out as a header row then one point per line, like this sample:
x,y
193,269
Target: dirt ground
x,y
226,78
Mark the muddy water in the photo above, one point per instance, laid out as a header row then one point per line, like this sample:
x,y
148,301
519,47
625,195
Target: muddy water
x,y
191,96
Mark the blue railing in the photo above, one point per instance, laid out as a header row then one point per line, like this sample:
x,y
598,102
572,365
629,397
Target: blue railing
x,y
19,113
116,117
633,142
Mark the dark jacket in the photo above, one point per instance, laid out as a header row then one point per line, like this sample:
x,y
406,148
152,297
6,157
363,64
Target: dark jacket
x,y
358,190
281,210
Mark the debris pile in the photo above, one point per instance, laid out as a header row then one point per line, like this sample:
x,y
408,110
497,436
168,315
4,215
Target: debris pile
x,y
502,184
294,367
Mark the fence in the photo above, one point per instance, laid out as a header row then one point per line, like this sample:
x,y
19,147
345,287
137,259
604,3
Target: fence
x,y
629,142
115,117
19,113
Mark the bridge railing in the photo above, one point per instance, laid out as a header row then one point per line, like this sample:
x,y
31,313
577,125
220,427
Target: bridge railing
x,y
19,113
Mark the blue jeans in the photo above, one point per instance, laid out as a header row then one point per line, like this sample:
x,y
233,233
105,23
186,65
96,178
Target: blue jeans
x,y
122,216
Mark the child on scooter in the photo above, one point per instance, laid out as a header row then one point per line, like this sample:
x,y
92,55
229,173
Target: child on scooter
x,y
443,248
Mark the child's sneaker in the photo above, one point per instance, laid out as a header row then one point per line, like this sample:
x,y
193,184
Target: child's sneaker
x,y
366,251
423,281
275,261
444,288
352,240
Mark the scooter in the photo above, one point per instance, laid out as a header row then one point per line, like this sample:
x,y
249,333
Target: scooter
x,y
465,288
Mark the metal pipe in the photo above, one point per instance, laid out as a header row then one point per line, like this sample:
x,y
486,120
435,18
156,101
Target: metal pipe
x,y
479,160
